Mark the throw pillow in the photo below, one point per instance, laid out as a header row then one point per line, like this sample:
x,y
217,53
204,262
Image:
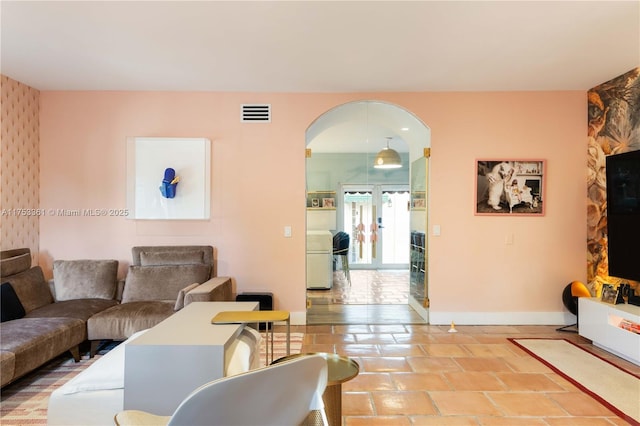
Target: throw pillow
x,y
85,279
10,306
154,258
180,300
162,282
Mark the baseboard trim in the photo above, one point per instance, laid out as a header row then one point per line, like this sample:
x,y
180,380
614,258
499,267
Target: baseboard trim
x,y
480,318
298,318
501,318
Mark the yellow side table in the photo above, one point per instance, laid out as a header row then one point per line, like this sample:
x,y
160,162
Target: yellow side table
x,y
233,317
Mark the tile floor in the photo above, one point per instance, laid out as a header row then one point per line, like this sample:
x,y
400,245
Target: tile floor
x,y
383,286
424,375
413,373
373,297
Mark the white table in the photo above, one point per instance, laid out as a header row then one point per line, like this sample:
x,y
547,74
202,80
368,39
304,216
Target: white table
x,y
178,355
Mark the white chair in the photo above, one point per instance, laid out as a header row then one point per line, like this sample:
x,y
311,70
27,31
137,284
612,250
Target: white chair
x,y
282,394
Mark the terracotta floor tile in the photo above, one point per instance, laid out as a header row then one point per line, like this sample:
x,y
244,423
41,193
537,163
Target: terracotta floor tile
x,y
563,383
528,382
443,421
357,404
512,421
490,350
585,421
526,404
378,421
318,348
314,329
432,364
526,364
357,328
457,403
445,349
370,382
580,404
401,350
388,328
384,364
334,338
494,339
358,350
497,329
454,338
425,329
474,381
483,364
405,403
412,338
420,381
372,338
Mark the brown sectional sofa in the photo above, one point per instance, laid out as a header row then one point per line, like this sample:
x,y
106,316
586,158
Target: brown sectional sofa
x,y
85,301
47,327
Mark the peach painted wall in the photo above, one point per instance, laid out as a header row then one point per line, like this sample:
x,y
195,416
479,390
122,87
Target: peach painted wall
x,y
258,187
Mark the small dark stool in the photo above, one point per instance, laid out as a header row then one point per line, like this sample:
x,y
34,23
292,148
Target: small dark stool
x,y
264,299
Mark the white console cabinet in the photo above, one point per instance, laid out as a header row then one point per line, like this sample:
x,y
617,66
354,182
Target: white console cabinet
x,y
603,323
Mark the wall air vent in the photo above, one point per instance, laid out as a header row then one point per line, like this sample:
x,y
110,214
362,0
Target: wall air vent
x,y
256,113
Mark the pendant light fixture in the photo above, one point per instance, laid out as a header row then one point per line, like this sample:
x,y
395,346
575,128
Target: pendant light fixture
x,y
387,158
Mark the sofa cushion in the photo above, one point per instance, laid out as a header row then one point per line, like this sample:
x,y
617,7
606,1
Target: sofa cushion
x,y
31,288
122,321
35,341
207,252
154,258
161,282
85,279
14,261
10,306
7,367
82,309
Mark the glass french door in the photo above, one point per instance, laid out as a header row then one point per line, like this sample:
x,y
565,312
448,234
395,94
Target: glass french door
x,y
377,219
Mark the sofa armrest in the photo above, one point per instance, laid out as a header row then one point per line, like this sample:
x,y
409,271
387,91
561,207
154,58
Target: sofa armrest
x,y
217,289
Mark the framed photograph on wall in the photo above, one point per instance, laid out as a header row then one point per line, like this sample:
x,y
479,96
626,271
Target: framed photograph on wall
x,y
419,203
328,202
510,187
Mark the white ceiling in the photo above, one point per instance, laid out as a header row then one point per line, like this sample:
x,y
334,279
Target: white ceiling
x,y
318,46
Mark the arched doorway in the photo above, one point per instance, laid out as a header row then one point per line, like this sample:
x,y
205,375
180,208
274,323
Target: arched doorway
x,y
384,212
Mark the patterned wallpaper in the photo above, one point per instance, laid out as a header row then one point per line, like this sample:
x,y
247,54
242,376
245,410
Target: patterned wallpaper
x,y
614,127
19,166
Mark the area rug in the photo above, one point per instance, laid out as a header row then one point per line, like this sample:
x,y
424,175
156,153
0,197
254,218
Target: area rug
x,y
25,402
610,385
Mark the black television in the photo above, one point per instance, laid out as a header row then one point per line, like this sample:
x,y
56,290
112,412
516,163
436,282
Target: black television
x,y
623,214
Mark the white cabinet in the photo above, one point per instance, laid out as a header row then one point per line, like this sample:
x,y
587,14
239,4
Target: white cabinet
x,y
321,219
319,259
609,327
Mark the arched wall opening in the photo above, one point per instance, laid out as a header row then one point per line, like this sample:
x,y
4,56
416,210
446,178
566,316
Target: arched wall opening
x,y
342,144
